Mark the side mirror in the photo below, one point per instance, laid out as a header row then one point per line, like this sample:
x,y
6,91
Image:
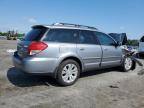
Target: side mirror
x,y
116,44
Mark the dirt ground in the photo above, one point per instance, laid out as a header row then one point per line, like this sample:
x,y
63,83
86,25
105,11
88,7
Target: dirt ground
x,y
108,88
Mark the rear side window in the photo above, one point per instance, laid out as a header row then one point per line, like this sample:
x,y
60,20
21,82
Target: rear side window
x,y
142,39
35,34
87,37
104,39
62,35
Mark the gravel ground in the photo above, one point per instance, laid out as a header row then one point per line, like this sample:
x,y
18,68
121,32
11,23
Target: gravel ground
x,y
108,88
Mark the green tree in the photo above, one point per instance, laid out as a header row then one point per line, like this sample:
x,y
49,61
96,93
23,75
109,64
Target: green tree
x,y
133,42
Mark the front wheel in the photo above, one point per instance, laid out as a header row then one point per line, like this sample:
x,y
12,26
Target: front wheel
x,y
127,64
68,72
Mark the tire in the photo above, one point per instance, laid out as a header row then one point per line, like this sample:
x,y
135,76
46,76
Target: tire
x,y
65,77
127,64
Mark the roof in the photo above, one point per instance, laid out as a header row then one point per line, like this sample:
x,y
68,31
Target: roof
x,y
68,26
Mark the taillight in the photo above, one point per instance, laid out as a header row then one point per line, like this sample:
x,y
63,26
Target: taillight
x,y
36,47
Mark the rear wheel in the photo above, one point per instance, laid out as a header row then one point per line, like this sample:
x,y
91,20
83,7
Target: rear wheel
x,y
68,72
127,64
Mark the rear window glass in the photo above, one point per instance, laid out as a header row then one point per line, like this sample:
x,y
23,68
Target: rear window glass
x,y
62,35
35,34
142,39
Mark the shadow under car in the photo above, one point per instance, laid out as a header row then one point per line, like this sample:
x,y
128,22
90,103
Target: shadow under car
x,y
21,79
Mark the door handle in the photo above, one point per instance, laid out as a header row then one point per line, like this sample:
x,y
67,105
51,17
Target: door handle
x,y
105,49
81,49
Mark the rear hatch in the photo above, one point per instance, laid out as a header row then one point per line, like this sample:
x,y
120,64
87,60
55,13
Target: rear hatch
x,y
34,35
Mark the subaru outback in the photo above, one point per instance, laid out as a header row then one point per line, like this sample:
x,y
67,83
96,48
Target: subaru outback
x,y
65,50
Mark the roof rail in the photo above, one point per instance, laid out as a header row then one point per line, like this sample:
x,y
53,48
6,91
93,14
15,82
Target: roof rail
x,y
74,25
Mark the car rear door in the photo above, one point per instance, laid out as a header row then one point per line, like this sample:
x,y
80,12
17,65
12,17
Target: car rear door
x,y
62,40
112,54
89,50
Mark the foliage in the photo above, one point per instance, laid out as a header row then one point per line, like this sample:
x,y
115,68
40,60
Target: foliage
x,y
3,33
6,34
133,42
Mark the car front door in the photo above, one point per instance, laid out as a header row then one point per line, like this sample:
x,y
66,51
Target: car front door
x,y
112,54
89,50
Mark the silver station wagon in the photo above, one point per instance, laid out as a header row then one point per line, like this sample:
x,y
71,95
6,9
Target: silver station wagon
x,y
65,50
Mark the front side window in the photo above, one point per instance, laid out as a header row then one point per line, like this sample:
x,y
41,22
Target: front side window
x,y
104,39
61,35
87,37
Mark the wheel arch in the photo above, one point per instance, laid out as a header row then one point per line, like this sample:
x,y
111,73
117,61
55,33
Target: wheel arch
x,y
72,58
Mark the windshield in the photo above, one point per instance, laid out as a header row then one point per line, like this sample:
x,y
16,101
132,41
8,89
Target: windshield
x,y
35,34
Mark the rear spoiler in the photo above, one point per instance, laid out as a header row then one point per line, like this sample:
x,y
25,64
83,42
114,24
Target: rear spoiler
x,y
39,26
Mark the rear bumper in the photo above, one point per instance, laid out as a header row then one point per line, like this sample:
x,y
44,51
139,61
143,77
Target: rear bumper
x,y
35,65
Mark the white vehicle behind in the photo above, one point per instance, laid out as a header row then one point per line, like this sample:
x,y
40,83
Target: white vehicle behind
x,y
141,46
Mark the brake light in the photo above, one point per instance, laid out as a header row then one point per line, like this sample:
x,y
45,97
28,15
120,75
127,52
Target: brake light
x,y
36,47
